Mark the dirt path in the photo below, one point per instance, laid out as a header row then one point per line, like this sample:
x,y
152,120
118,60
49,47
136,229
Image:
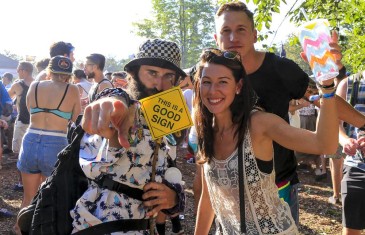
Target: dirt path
x,y
317,216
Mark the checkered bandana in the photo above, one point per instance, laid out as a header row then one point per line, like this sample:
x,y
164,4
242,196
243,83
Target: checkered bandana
x,y
157,48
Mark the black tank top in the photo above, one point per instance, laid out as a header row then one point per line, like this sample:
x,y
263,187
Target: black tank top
x,y
23,114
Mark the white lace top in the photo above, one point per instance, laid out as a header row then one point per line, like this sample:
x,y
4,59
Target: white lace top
x,y
265,212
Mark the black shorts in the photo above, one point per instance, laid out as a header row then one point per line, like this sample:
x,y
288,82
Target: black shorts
x,y
353,198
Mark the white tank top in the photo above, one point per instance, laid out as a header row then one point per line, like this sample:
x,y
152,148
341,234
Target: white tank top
x,y
265,212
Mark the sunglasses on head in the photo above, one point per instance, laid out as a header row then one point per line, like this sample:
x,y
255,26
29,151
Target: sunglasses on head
x,y
233,55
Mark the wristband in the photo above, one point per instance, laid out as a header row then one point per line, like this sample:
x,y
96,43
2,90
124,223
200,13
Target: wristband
x,y
115,92
328,95
324,96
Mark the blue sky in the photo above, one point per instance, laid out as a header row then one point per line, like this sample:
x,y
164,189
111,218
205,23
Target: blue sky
x,y
29,27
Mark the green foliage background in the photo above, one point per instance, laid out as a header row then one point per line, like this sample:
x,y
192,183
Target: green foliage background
x,y
190,23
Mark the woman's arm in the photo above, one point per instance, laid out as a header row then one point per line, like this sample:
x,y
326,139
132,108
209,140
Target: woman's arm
x,y
323,141
77,106
205,213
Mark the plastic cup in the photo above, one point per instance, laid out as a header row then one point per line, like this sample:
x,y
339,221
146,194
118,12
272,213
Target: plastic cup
x,y
314,36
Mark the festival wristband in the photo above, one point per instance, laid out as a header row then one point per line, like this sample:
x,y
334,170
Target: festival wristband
x,y
324,96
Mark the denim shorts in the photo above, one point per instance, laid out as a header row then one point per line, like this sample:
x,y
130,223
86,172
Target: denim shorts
x,y
38,153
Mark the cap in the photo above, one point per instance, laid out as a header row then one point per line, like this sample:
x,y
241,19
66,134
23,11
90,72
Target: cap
x,y
61,65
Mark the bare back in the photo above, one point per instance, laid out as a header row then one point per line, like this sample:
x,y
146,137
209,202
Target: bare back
x,y
52,95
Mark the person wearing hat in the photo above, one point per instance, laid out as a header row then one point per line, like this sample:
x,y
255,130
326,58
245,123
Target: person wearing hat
x,y
46,135
126,161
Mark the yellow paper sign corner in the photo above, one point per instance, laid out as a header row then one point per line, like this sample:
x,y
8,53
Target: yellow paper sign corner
x,y
166,112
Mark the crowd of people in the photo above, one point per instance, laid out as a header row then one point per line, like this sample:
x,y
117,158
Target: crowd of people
x,y
241,141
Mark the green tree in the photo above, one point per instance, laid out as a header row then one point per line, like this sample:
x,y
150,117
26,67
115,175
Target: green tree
x,y
293,51
190,23
344,15
347,17
113,65
12,55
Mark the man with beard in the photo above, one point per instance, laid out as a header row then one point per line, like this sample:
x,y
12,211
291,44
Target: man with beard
x,y
121,196
93,69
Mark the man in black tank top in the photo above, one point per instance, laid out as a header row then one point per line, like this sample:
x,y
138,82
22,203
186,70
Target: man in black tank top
x,y
94,66
19,91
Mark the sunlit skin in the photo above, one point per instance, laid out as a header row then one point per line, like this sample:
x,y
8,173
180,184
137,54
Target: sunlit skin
x,y
71,56
218,92
156,77
235,32
119,82
88,69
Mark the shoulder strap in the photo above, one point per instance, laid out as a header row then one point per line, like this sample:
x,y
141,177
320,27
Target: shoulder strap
x,y
64,94
83,88
241,189
36,94
97,88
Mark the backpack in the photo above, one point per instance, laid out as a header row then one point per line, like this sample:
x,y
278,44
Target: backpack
x,y
49,211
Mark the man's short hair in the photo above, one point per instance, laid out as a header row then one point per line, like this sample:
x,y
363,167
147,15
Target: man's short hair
x,y
43,63
26,66
121,74
79,73
9,76
236,6
97,59
61,48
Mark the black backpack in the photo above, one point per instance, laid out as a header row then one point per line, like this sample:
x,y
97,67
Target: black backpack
x,y
49,211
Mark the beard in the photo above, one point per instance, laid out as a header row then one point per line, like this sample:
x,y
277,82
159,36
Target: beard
x,y
137,90
91,75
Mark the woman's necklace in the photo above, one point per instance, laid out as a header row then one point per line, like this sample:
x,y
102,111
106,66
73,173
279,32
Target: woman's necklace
x,y
228,130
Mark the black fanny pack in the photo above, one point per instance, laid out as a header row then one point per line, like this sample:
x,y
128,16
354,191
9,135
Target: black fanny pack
x,y
124,225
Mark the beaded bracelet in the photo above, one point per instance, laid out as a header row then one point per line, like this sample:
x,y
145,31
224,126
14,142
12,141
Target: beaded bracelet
x,y
115,92
326,87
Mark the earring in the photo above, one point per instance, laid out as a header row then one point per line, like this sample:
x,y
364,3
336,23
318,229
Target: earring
x,y
237,92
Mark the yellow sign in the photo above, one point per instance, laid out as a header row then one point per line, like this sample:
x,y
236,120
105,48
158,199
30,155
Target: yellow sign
x,y
166,112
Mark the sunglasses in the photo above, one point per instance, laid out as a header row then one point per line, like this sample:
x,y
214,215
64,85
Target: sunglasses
x,y
232,55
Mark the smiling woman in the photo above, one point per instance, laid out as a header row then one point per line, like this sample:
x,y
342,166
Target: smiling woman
x,y
235,141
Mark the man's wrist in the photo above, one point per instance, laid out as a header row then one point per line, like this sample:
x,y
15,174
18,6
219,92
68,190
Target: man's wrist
x,y
118,94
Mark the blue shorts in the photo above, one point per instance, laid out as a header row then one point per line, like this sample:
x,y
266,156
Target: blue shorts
x,y
39,150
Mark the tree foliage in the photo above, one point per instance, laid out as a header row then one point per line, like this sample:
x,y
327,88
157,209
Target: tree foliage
x,y
190,23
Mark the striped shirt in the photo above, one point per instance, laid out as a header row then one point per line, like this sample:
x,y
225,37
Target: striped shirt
x,y
357,160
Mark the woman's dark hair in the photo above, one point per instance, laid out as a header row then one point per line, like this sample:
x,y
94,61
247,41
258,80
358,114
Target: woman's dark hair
x,y
241,106
79,73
